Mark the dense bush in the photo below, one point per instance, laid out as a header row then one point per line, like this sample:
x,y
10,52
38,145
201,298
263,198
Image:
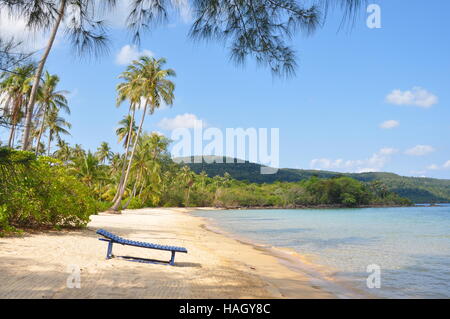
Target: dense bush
x,y
40,193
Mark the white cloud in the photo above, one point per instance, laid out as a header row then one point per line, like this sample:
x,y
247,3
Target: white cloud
x,y
129,53
186,120
417,96
389,124
433,167
420,150
388,151
16,28
373,164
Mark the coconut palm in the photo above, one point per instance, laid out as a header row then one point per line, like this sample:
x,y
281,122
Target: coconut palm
x,y
86,33
14,92
127,91
56,126
187,177
49,101
78,151
255,28
151,82
104,152
124,133
63,153
87,168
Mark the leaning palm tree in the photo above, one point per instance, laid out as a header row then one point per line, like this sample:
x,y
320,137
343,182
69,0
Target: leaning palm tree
x,y
85,31
152,83
56,126
127,91
253,28
49,101
104,152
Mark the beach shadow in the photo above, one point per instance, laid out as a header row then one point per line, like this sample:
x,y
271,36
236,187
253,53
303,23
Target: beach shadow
x,y
188,265
159,262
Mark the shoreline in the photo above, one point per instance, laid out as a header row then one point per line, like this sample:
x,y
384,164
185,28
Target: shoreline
x,y
322,206
319,275
216,266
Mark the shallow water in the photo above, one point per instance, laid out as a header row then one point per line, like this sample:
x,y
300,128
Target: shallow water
x,y
411,245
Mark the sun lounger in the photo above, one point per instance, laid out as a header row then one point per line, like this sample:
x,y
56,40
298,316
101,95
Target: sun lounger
x,y
113,239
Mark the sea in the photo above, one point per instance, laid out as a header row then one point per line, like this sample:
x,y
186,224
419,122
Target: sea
x,y
398,252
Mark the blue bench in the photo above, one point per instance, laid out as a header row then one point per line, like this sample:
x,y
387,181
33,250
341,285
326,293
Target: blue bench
x,y
111,239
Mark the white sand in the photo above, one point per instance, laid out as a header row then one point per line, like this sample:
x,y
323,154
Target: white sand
x,y
217,266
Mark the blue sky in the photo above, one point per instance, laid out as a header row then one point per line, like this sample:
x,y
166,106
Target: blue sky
x,y
330,115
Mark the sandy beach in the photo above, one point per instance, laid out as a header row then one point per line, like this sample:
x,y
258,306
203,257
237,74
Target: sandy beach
x,y
217,266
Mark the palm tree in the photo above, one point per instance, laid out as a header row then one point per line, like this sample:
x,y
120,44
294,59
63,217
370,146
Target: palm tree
x,y
63,153
187,176
86,33
50,100
14,91
88,170
146,164
124,133
56,126
126,91
78,151
256,28
104,152
203,176
150,81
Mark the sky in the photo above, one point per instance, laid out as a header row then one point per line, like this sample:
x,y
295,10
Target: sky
x,y
362,99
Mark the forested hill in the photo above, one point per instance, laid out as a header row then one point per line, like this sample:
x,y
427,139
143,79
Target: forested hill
x,y
417,189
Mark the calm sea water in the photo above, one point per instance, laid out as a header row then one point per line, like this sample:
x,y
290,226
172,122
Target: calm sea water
x,y
410,244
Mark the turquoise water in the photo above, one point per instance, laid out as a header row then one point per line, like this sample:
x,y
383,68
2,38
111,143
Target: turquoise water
x,y
411,245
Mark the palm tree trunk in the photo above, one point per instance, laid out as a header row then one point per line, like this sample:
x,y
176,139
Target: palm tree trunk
x,y
122,174
141,188
40,132
131,197
11,137
38,74
50,133
116,205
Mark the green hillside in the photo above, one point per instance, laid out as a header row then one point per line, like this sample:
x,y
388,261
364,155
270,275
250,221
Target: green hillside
x,y
417,189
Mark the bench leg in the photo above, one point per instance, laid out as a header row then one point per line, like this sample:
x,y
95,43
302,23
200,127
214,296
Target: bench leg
x,y
172,259
109,253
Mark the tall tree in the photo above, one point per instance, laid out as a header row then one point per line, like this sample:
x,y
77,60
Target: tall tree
x,y
86,33
253,28
152,83
14,93
104,152
56,126
50,101
187,177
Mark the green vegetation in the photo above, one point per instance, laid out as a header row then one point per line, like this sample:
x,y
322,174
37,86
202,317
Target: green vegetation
x,y
64,190
40,192
416,189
